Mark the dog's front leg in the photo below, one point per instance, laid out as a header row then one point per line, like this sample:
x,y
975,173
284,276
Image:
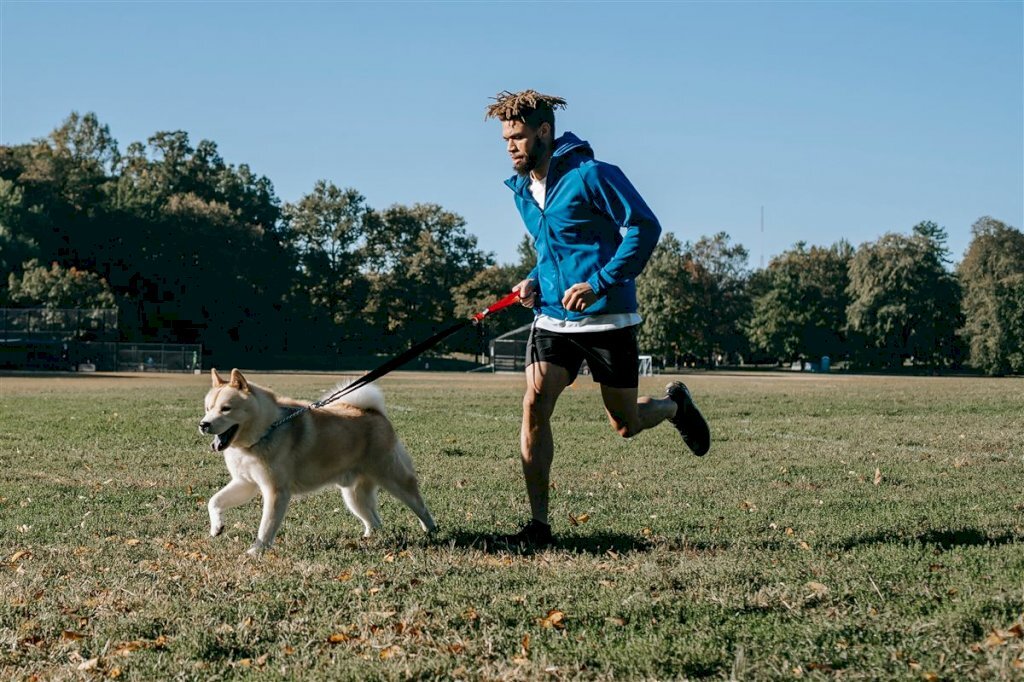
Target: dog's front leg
x,y
236,492
275,503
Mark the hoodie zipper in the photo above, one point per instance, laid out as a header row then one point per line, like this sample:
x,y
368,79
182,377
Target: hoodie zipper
x,y
547,231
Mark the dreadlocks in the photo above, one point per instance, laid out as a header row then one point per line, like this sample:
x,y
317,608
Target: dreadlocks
x,y
528,106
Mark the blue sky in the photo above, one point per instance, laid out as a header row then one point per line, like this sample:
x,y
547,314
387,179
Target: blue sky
x,y
845,120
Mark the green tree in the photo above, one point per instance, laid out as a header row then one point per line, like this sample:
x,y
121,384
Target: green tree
x,y
800,310
327,230
416,258
992,276
904,303
56,287
721,274
671,302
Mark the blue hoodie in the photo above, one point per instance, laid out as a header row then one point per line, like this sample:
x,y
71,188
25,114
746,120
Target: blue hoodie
x,y
578,233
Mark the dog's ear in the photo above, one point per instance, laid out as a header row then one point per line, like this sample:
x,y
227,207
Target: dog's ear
x,y
238,381
217,381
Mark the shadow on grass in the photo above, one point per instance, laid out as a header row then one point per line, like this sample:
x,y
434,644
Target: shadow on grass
x,y
943,540
596,543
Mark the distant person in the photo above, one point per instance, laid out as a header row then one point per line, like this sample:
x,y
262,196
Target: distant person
x,y
582,290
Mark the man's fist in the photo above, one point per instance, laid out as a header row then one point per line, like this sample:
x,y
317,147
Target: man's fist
x,y
527,290
579,297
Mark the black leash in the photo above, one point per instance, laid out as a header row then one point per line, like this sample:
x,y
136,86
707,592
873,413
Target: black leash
x,y
395,362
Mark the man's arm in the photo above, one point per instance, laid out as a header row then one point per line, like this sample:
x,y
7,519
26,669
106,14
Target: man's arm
x,y
613,194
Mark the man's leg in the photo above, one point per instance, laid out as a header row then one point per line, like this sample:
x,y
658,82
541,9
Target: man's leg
x,y
630,415
544,383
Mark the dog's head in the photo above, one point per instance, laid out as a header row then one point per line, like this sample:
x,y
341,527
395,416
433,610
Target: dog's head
x,y
228,409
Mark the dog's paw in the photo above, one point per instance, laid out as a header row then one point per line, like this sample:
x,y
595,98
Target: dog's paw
x,y
257,549
216,530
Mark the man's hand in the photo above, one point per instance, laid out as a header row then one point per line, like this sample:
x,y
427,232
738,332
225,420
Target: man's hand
x,y
527,290
579,297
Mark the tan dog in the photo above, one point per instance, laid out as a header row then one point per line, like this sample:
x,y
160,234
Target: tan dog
x,y
350,445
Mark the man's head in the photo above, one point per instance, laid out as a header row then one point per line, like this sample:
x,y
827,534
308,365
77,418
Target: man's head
x,y
527,126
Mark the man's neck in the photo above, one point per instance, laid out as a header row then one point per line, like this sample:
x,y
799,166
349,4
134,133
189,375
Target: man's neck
x,y
541,171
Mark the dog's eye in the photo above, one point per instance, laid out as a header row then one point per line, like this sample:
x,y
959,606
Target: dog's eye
x,y
225,409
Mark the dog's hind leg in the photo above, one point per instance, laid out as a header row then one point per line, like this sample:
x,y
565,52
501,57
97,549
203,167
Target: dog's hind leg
x,y
233,494
361,500
402,484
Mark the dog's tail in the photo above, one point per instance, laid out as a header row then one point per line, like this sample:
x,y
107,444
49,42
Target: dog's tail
x,y
368,397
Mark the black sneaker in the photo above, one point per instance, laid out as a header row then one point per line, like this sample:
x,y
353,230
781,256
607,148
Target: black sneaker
x,y
533,535
689,422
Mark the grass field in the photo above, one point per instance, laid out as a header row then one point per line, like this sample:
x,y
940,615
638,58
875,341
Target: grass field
x,y
841,528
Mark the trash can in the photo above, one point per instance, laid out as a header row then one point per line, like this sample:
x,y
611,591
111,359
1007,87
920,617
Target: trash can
x,y
825,363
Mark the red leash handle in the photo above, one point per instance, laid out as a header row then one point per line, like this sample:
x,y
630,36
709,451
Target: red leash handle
x,y
495,307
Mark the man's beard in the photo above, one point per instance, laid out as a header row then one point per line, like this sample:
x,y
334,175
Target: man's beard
x,y
532,160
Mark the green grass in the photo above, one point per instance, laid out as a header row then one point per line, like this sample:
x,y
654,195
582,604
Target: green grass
x,y
778,556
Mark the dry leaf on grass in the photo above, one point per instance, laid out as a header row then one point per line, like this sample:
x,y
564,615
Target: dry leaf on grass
x,y
878,476
390,651
554,619
578,520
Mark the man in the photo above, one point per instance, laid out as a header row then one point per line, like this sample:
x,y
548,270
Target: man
x,y
582,291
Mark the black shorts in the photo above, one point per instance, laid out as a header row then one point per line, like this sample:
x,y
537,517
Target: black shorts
x,y
612,356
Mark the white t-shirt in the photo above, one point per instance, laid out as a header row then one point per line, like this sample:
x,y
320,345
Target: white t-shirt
x,y
538,188
594,323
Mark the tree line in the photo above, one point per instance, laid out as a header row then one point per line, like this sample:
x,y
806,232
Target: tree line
x,y
192,249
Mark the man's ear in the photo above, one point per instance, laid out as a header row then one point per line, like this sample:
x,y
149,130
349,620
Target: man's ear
x,y
238,381
217,381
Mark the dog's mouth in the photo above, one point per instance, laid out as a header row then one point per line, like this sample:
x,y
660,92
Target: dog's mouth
x,y
222,440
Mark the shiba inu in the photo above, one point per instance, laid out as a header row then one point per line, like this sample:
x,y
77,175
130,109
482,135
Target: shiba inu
x,y
350,445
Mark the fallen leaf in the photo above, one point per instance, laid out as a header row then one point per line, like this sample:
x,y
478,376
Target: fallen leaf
x,y
89,665
390,651
615,620
343,577
288,650
336,638
878,476
804,545
114,673
554,619
22,554
526,644
131,542
71,635
817,588
994,639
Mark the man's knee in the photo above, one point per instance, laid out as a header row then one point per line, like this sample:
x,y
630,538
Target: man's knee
x,y
537,407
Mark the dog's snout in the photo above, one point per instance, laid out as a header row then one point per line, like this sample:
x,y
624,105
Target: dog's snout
x,y
204,427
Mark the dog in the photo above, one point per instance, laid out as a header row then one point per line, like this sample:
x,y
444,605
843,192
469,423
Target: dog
x,y
350,445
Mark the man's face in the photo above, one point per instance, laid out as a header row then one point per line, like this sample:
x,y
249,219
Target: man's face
x,y
526,145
